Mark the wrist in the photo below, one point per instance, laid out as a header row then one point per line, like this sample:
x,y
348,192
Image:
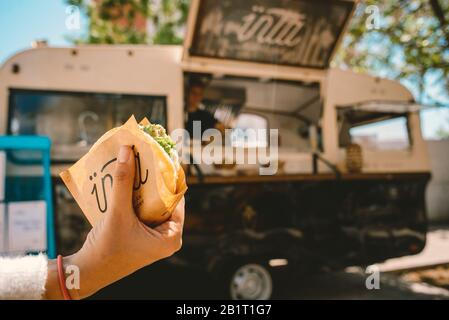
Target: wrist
x,y
74,273
53,290
89,280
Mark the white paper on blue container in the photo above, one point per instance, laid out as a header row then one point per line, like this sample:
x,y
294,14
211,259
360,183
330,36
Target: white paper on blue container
x,y
27,228
2,175
2,228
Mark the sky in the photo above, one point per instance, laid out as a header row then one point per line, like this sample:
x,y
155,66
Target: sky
x,y
22,21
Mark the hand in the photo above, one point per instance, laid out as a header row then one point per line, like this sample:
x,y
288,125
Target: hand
x,y
120,243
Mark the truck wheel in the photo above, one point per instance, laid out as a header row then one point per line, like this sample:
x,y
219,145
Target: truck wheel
x,y
250,281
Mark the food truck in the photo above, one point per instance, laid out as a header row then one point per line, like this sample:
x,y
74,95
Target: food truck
x,y
351,163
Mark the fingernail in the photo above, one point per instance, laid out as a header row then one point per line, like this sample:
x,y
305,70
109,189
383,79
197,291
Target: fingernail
x,y
123,154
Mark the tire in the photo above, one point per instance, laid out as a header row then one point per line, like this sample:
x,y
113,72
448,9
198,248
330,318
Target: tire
x,y
248,281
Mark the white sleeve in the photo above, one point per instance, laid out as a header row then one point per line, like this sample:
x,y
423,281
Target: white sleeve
x,y
23,277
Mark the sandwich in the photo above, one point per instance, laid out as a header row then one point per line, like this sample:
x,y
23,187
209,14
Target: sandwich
x,y
159,182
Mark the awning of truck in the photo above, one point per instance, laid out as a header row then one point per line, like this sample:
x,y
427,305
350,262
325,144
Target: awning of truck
x,y
295,33
387,106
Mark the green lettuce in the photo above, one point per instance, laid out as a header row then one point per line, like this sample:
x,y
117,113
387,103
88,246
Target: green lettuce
x,y
160,135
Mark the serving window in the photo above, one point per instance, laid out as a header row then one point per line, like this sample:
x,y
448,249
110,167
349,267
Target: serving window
x,y
253,108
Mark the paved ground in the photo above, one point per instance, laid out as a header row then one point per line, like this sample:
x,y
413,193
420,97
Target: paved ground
x,y
435,252
346,285
165,282
162,281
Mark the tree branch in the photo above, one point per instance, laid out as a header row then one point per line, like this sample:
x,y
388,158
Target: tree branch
x,y
439,13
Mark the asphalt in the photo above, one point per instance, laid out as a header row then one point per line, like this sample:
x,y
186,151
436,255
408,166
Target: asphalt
x,y
168,282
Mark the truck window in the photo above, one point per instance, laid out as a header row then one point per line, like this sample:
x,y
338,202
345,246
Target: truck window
x,y
391,134
373,131
75,120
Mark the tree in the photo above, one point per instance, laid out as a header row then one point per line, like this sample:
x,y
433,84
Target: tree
x,y
125,21
407,40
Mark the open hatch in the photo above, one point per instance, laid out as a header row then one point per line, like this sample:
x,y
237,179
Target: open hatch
x,y
294,33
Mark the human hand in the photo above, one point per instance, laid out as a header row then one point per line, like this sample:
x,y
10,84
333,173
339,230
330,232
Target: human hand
x,y
120,243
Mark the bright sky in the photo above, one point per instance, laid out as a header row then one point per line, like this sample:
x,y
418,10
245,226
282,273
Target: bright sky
x,y
22,21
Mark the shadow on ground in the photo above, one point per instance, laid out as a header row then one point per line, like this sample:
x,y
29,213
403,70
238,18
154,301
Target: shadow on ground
x,y
165,281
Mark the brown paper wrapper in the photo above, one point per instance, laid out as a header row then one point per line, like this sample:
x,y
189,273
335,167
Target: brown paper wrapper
x,y
90,179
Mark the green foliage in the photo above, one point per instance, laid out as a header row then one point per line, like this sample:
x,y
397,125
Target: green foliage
x,y
411,43
169,19
166,20
160,135
443,131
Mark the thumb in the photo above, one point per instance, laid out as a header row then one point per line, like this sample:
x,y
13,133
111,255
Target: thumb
x,y
122,187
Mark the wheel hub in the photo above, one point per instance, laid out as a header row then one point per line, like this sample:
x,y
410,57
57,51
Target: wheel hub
x,y
251,281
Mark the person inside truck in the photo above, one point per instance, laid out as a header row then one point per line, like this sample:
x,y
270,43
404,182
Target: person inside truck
x,y
118,245
196,111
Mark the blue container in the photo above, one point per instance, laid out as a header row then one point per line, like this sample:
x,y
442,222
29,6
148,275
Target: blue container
x,y
31,151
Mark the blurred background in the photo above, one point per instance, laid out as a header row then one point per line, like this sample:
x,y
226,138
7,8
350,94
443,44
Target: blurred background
x,y
405,41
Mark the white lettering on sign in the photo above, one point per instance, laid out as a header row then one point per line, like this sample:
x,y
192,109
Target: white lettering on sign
x,y
295,35
273,26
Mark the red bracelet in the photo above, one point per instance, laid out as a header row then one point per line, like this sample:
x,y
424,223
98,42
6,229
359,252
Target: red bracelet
x,y
61,276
